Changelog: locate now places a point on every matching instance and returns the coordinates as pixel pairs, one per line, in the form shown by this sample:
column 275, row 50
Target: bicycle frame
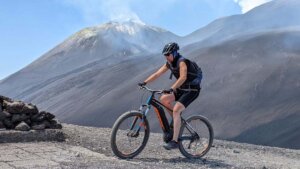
column 163, row 121
column 158, row 108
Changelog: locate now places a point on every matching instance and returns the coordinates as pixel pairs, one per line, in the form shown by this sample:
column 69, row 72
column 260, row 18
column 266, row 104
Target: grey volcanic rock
column 46, row 123
column 4, row 114
column 22, row 116
column 8, row 124
column 39, row 127
column 13, row 107
column 22, row 126
column 30, row 109
column 19, row 118
column 49, row 116
column 55, row 124
column 2, row 125
column 2, row 98
column 39, row 117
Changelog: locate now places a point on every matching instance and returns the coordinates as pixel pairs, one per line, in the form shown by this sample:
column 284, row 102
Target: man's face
column 169, row 57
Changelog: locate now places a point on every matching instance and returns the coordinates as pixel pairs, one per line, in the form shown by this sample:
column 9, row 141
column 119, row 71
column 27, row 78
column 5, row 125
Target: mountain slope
column 259, row 80
column 106, row 44
column 277, row 14
column 252, row 81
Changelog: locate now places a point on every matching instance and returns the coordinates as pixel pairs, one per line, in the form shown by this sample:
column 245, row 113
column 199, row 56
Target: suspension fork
column 141, row 109
column 144, row 115
column 144, row 112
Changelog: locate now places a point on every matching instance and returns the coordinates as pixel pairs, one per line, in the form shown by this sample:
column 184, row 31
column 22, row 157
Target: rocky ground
column 88, row 147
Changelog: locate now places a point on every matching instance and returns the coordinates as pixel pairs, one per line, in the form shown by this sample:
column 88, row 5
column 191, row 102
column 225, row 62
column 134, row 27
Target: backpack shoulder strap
column 180, row 60
column 177, row 65
column 168, row 65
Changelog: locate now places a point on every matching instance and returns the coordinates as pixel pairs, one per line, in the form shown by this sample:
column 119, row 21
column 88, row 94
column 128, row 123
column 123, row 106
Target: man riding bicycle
column 184, row 91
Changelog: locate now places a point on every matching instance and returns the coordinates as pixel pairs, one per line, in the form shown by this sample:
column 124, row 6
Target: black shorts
column 186, row 96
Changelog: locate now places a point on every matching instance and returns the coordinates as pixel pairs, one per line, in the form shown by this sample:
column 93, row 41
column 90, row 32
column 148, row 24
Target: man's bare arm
column 157, row 74
column 182, row 76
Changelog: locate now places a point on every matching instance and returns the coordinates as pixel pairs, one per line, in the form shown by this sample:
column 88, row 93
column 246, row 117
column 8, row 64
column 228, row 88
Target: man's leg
column 178, row 108
column 167, row 100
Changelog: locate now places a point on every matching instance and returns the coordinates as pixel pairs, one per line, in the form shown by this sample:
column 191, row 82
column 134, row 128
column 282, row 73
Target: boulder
column 13, row 107
column 2, row 125
column 34, row 118
column 22, row 126
column 56, row 126
column 3, row 115
column 8, row 124
column 2, row 98
column 19, row 117
column 30, row 109
column 46, row 123
column 49, row 116
column 39, row 117
column 6, row 114
column 54, row 121
column 39, row 127
column 28, row 121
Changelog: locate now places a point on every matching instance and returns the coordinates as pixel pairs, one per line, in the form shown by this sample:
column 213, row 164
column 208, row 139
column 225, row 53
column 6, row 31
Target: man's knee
column 165, row 99
column 178, row 108
column 176, row 112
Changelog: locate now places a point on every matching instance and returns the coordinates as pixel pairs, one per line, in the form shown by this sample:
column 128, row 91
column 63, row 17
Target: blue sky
column 30, row 28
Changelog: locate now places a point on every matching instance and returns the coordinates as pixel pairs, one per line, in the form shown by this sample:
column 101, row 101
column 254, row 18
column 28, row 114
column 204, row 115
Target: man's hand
column 142, row 84
column 169, row 91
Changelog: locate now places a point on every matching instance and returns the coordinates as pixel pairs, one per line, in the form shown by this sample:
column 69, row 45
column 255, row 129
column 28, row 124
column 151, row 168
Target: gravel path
column 89, row 147
column 41, row 155
column 223, row 154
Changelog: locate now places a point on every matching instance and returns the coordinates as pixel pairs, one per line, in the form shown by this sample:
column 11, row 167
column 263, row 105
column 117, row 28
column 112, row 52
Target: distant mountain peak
column 128, row 21
column 129, row 26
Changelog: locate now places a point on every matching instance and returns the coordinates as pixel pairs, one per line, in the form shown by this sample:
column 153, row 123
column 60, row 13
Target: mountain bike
column 131, row 131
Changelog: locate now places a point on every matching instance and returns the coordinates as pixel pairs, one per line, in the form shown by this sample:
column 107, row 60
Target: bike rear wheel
column 195, row 137
column 130, row 134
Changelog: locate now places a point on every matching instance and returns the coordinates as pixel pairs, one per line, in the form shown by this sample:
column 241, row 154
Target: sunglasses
column 168, row 54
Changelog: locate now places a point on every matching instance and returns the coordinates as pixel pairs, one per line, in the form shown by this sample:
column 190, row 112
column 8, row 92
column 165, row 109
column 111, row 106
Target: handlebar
column 150, row 90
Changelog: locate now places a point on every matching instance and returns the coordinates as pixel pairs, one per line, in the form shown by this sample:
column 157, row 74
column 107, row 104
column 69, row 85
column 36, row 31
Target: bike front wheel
column 196, row 137
column 130, row 134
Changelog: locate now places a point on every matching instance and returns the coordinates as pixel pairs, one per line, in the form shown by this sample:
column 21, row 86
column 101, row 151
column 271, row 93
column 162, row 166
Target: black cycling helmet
column 170, row 48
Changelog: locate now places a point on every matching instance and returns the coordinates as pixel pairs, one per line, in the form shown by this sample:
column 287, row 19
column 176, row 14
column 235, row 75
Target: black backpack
column 193, row 70
column 198, row 73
